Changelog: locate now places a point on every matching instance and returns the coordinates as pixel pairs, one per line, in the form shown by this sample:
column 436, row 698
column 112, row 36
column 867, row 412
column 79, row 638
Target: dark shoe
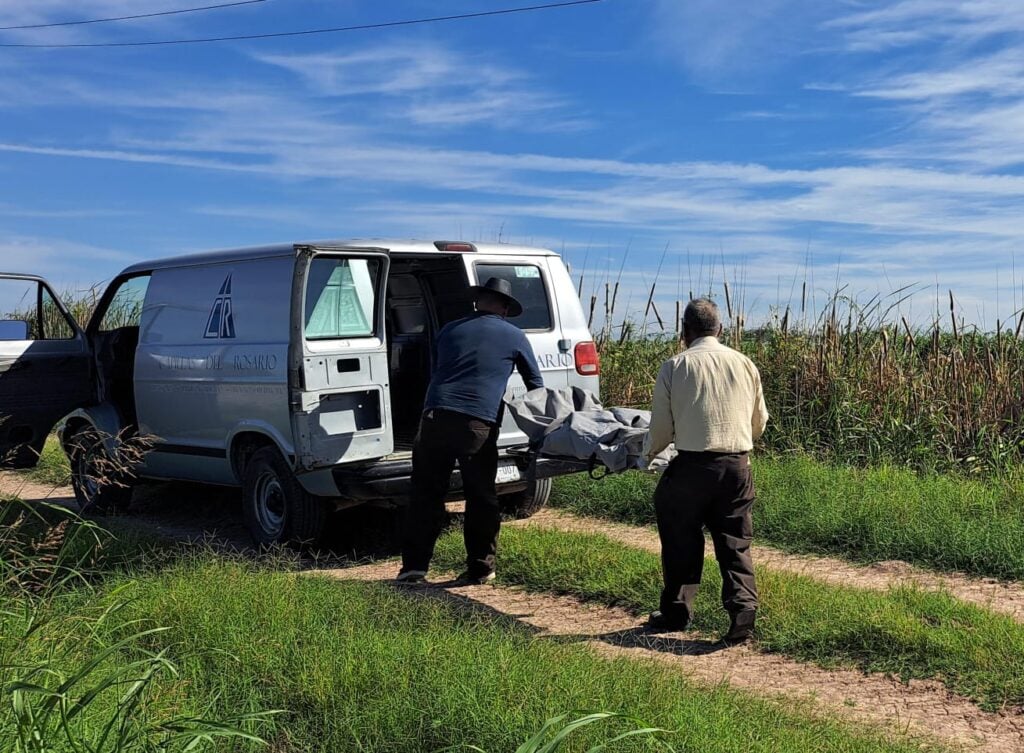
column 741, row 628
column 411, row 576
column 660, row 621
column 467, row 579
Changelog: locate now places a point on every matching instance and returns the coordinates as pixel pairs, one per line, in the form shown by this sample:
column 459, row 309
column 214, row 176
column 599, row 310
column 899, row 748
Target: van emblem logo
column 221, row 324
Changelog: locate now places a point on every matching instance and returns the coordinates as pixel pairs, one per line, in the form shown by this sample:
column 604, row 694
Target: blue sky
column 767, row 141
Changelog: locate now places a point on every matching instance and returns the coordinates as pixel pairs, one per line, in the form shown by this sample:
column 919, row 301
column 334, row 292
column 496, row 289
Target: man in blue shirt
column 474, row 357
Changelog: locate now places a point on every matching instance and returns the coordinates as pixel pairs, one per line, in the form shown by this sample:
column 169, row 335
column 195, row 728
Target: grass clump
column 53, row 468
column 93, row 692
column 905, row 632
column 938, row 521
column 75, row 676
column 370, row 668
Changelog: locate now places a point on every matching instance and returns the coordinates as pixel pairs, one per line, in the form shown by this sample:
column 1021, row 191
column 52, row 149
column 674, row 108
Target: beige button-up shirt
column 707, row 398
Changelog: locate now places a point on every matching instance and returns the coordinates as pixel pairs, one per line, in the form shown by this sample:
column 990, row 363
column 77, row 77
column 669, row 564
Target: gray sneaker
column 411, row 576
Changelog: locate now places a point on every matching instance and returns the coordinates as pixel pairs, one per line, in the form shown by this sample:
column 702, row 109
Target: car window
column 341, row 297
column 54, row 323
column 125, row 308
column 28, row 311
column 528, row 288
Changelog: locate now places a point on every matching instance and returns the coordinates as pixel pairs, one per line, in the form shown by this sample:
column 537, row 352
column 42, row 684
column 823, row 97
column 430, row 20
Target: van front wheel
column 101, row 485
column 522, row 505
column 277, row 509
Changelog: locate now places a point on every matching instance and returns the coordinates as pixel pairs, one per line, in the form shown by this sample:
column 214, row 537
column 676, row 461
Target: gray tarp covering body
column 570, row 422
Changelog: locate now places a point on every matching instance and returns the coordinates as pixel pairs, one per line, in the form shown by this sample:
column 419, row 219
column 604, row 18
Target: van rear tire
column 522, row 505
column 277, row 509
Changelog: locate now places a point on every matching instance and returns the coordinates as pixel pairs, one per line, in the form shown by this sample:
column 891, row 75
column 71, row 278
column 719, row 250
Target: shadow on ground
column 212, row 515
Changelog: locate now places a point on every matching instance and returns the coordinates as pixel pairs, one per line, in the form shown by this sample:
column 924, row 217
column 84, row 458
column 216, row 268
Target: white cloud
column 911, row 22
column 721, row 43
column 1000, row 75
column 67, row 264
column 431, row 85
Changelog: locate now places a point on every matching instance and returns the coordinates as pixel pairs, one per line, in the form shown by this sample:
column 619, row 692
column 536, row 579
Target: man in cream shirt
column 708, row 400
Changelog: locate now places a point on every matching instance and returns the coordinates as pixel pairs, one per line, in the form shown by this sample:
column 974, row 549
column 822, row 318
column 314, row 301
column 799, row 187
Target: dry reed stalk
column 661, row 323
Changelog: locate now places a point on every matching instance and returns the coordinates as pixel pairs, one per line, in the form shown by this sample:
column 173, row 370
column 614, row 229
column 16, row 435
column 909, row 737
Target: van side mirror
column 14, row 329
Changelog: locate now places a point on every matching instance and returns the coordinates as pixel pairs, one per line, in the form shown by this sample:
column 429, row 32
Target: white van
column 295, row 371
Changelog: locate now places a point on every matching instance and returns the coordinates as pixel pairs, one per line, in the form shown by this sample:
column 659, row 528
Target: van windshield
column 341, row 297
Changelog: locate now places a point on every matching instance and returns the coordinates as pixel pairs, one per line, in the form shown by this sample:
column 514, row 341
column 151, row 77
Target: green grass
column 941, row 522
column 367, row 668
column 905, row 632
column 53, row 468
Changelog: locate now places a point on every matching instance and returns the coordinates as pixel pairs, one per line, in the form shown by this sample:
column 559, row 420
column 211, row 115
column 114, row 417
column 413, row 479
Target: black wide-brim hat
column 500, row 287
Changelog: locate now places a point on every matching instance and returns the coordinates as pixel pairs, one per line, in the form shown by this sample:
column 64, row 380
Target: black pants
column 444, row 438
column 701, row 489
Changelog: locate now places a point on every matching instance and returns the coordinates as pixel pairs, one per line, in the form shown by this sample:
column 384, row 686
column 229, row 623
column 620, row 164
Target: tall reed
column 864, row 390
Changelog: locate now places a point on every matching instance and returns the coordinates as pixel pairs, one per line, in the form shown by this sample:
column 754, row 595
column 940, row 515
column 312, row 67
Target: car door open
column 45, row 370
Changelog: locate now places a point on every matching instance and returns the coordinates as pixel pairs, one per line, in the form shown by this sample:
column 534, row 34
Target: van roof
column 287, row 249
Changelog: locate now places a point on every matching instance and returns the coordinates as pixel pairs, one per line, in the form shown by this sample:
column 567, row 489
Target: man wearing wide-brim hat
column 474, row 357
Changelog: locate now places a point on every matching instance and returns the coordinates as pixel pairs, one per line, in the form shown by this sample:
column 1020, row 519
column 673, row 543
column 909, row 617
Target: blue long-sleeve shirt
column 473, row 360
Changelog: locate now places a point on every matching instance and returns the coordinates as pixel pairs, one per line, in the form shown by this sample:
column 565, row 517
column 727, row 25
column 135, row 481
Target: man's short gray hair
column 701, row 316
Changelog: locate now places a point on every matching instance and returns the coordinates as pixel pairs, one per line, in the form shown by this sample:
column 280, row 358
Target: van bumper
column 392, row 480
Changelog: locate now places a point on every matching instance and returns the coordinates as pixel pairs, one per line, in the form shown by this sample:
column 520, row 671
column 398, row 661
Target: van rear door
column 341, row 406
column 45, row 367
column 531, row 286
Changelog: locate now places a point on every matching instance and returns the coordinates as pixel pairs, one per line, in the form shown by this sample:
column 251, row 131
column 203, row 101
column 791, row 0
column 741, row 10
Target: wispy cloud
column 999, row 75
column 432, row 85
column 724, row 44
column 71, row 264
column 911, row 22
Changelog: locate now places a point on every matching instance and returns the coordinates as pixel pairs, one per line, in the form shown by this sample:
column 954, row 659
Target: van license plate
column 507, row 473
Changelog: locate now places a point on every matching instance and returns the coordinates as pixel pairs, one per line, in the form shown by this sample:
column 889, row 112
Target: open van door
column 45, row 367
column 341, row 404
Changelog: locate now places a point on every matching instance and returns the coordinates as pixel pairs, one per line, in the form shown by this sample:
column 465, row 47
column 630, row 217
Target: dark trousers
column 715, row 490
column 446, row 437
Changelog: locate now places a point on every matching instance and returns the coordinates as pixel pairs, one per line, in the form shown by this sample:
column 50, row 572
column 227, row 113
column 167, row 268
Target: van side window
column 341, row 297
column 28, row 311
column 125, row 308
column 528, row 287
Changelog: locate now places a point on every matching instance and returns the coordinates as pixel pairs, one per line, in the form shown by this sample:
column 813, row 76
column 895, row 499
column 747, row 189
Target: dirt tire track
column 925, row 709
column 14, row 485
column 989, row 593
column 995, row 595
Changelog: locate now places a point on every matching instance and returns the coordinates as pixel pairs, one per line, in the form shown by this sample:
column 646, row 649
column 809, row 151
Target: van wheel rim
column 270, row 503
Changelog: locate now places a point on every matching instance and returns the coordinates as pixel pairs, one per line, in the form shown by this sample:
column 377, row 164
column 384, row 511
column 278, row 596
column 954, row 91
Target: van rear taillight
column 588, row 363
column 455, row 247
